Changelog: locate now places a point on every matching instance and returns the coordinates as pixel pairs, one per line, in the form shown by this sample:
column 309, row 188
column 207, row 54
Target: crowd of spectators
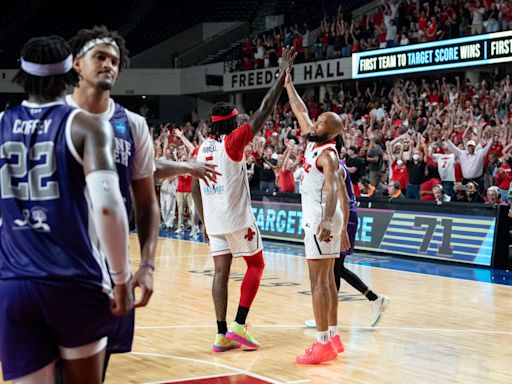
column 440, row 141
column 392, row 23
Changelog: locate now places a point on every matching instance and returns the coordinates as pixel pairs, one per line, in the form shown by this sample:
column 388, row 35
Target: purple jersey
column 124, row 152
column 352, row 219
column 45, row 230
column 350, row 188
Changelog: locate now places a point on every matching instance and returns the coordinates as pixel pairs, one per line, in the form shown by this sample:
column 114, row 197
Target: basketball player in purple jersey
column 60, row 200
column 99, row 55
column 348, row 204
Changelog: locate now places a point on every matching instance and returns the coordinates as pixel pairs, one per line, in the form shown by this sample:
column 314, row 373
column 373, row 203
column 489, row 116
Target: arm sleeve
column 110, row 220
column 143, row 161
column 236, row 141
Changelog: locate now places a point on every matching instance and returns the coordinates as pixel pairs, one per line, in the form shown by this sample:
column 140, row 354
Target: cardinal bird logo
column 250, row 234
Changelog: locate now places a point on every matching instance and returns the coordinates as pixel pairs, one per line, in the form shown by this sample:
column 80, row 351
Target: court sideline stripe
column 238, row 370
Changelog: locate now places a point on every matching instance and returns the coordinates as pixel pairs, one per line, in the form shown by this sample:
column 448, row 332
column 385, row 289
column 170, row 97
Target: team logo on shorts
column 250, row 235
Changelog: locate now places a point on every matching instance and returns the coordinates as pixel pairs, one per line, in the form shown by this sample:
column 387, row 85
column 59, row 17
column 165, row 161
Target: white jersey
column 227, row 204
column 312, row 191
column 445, row 165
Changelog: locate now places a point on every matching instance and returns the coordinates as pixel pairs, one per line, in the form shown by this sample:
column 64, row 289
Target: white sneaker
column 379, row 306
column 310, row 323
column 195, row 231
column 179, row 231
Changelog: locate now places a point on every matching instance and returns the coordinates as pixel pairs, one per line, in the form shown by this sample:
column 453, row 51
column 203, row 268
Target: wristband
column 147, row 264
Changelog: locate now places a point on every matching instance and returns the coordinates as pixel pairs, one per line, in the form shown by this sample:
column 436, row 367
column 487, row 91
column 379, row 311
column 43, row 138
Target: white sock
column 322, row 337
column 333, row 330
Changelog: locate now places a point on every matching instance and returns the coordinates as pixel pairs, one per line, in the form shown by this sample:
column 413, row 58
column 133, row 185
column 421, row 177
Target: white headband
column 94, row 42
column 44, row 70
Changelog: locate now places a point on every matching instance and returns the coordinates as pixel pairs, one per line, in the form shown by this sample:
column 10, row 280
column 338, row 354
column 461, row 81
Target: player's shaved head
column 333, row 122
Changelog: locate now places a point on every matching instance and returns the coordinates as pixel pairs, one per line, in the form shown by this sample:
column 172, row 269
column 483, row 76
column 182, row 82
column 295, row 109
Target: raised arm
column 287, row 152
column 179, row 134
column 269, row 101
column 298, row 107
column 453, row 148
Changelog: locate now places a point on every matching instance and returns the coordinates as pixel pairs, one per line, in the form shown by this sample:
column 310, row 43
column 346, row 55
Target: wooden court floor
column 436, row 329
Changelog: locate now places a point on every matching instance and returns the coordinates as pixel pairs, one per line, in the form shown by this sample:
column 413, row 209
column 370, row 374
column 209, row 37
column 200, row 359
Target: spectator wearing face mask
column 416, row 168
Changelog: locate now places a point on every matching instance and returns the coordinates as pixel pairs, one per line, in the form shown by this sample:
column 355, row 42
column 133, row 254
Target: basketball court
column 444, row 324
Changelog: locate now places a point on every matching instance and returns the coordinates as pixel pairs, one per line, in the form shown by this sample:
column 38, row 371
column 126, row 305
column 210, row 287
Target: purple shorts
column 351, row 229
column 120, row 339
column 37, row 317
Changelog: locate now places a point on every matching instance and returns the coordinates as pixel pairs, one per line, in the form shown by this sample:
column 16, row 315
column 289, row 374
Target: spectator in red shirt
column 400, row 173
column 432, row 29
column 378, row 17
column 423, row 22
column 286, row 181
column 432, row 179
column 183, row 195
column 503, row 178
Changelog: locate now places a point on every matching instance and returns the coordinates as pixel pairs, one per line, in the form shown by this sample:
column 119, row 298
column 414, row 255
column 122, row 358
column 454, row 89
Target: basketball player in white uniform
column 322, row 223
column 225, row 210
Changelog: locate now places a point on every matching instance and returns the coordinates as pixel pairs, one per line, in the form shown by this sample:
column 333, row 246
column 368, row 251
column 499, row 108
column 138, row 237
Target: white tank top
column 227, row 204
column 312, row 191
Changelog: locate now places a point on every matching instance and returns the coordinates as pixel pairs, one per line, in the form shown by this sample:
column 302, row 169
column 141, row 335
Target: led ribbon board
column 445, row 236
column 468, row 51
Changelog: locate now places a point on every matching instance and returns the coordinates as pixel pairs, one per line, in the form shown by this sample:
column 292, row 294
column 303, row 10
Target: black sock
column 241, row 315
column 371, row 296
column 222, row 327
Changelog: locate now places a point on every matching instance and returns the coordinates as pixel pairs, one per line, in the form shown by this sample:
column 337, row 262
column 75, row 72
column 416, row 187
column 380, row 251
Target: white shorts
column 316, row 249
column 246, row 242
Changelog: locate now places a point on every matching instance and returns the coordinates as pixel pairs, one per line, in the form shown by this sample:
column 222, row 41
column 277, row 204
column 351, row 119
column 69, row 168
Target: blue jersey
column 350, row 188
column 45, row 231
column 124, row 151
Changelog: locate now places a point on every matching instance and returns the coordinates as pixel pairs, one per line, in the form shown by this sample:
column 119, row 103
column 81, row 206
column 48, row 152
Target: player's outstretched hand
column 287, row 59
column 143, row 279
column 123, row 299
column 203, row 171
column 324, row 231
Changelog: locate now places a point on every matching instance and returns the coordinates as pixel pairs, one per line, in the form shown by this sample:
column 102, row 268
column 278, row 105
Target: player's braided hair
column 83, row 36
column 45, row 50
column 225, row 127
